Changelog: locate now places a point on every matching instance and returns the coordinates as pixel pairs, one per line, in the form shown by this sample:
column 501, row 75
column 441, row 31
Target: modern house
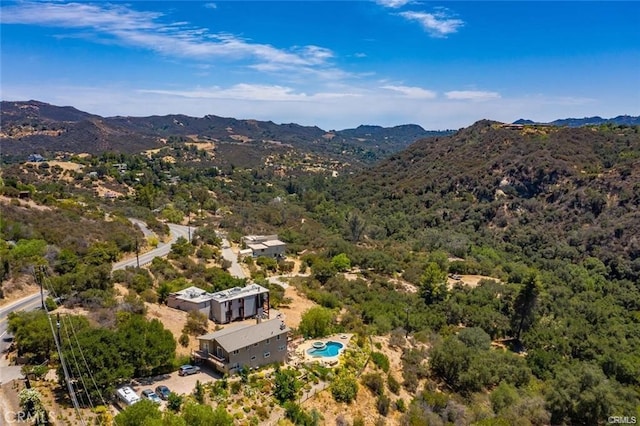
column 252, row 346
column 191, row 299
column 265, row 245
column 225, row 306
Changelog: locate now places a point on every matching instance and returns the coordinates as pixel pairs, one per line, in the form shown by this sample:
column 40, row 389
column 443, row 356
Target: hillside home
column 265, row 245
column 238, row 303
column 35, row 158
column 191, row 299
column 253, row 346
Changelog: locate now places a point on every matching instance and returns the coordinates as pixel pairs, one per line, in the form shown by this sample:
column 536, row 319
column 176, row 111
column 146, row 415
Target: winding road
column 33, row 301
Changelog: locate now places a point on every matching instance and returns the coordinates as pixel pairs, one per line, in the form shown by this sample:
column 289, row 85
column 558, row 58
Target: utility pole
column 38, row 272
column 58, row 326
column 406, row 335
column 137, row 253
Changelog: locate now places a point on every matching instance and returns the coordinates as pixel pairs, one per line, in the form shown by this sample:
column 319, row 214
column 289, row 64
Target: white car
column 151, row 396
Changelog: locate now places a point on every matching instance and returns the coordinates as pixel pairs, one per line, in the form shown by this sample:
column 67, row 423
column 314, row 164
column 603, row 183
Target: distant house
column 225, row 306
column 265, row 245
column 252, row 346
column 35, row 158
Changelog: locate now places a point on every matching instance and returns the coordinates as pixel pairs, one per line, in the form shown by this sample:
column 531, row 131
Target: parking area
column 175, row 383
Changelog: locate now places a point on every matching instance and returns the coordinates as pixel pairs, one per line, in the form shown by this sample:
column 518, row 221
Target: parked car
column 187, row 370
column 151, row 396
column 163, row 392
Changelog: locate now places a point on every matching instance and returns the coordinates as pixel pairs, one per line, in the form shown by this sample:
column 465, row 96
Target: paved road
column 33, row 301
column 228, row 254
column 163, row 249
column 26, row 303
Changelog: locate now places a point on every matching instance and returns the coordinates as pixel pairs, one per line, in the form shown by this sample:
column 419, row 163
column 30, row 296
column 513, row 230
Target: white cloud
column 250, row 92
column 147, row 30
column 394, row 4
column 211, row 5
column 438, row 24
column 412, row 92
column 471, row 95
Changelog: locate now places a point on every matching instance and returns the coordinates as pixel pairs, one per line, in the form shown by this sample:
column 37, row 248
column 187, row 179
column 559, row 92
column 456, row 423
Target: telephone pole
column 38, row 272
column 137, row 253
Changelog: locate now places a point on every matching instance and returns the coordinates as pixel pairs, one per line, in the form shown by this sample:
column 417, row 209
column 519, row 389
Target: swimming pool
column 331, row 348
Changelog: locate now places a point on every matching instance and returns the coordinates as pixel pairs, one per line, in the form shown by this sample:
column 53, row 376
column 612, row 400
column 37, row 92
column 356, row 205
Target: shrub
column 382, row 404
column 374, row 382
column 381, row 360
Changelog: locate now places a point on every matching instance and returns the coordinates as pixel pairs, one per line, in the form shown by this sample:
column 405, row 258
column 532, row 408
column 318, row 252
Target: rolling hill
column 536, row 191
column 35, row 126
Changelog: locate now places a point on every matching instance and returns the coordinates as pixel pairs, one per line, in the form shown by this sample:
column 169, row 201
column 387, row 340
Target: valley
column 487, row 276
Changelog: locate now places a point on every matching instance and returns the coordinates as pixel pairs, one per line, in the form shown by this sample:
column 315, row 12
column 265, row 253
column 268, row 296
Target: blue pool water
column 330, row 349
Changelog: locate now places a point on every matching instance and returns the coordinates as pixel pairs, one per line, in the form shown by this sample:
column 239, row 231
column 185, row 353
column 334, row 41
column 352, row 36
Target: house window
column 267, row 354
column 235, row 352
column 282, row 348
column 267, row 341
column 278, row 337
column 255, row 344
column 253, row 358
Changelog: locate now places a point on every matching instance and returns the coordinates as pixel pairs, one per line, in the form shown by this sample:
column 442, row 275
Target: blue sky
column 334, row 64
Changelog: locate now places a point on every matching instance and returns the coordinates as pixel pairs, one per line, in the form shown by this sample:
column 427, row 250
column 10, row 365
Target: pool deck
column 299, row 355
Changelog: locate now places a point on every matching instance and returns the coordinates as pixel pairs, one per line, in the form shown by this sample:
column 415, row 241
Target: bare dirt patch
column 30, row 204
column 299, row 304
column 66, row 165
column 470, row 280
column 17, row 288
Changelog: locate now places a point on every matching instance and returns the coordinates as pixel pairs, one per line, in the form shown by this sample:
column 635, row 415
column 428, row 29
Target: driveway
column 178, row 384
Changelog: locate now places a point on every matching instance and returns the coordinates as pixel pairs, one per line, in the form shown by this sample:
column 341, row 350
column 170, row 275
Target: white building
column 265, row 245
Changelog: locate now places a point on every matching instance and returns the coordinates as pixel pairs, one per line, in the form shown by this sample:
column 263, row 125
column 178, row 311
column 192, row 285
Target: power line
column 84, row 359
column 65, row 370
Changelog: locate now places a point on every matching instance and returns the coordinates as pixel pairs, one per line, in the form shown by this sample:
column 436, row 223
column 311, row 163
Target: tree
column 149, row 346
column 174, row 402
column 356, row 225
column 475, row 338
column 525, row 304
column 341, row 262
column 287, row 385
column 581, row 394
column 317, row 322
column 31, row 405
column 138, row 414
column 204, row 415
column 197, row 323
column 433, row 283
column 344, row 387
column 504, row 396
column 32, row 334
column 323, row 270
column 198, row 392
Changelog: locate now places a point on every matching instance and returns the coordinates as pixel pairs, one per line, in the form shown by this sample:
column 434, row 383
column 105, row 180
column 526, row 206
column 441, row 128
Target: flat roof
column 273, row 243
column 238, row 292
column 198, row 295
column 193, row 294
column 234, row 338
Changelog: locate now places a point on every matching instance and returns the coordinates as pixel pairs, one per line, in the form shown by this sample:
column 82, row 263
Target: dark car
column 187, row 370
column 163, row 392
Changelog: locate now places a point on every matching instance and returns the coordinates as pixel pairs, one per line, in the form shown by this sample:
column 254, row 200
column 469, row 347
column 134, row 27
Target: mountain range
column 39, row 127
column 628, row 120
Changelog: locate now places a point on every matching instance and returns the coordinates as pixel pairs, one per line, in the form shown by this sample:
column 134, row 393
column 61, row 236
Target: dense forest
column 549, row 215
